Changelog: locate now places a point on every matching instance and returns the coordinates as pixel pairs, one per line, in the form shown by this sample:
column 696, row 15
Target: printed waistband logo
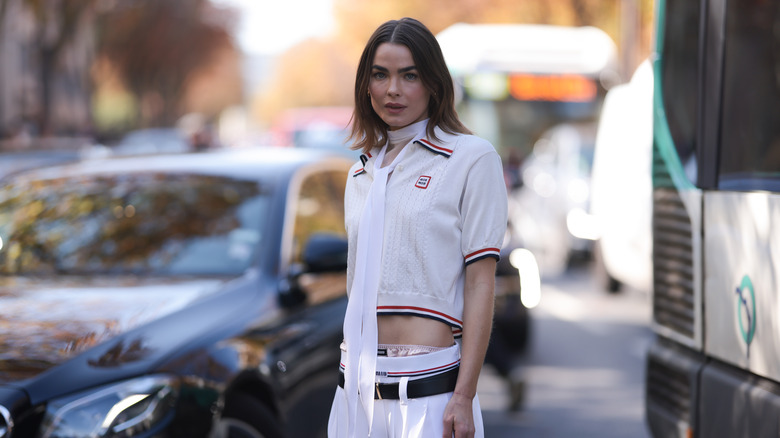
column 423, row 181
column 746, row 311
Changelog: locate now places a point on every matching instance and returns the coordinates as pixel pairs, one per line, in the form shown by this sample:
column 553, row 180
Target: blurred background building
column 86, row 71
column 94, row 70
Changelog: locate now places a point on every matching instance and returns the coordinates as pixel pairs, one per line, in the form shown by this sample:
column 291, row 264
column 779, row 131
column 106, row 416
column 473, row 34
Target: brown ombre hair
column 368, row 129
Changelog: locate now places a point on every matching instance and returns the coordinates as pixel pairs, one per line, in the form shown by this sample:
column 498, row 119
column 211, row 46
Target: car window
column 320, row 209
column 131, row 223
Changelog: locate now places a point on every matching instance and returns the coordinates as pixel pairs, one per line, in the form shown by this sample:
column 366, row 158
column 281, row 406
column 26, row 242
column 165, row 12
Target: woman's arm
column 477, row 322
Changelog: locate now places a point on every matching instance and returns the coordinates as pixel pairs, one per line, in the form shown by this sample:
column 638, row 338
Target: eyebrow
column 400, row 70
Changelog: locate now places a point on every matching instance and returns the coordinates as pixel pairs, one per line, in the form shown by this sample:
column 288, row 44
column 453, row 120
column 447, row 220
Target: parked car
column 550, row 211
column 622, row 185
column 326, row 127
column 153, row 141
column 192, row 295
column 18, row 161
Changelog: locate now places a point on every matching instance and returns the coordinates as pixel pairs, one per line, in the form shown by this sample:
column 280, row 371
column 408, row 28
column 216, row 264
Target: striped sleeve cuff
column 483, row 253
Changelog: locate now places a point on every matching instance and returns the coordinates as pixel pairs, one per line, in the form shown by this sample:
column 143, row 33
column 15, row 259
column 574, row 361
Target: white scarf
column 360, row 369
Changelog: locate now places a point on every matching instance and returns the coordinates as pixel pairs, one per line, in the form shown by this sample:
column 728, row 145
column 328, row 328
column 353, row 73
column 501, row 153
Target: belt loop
column 402, row 395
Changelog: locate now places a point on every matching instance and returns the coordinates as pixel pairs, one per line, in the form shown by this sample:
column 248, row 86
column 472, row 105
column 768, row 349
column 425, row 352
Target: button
column 399, row 167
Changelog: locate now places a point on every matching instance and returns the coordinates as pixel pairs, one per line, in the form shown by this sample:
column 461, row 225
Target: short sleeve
column 483, row 209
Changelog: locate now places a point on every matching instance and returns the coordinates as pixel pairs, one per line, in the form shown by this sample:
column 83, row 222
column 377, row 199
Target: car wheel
column 246, row 417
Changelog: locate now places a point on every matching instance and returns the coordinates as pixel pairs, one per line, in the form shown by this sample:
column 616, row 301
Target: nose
column 394, row 89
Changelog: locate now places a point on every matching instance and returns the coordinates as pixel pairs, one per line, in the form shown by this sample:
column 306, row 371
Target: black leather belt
column 425, row 387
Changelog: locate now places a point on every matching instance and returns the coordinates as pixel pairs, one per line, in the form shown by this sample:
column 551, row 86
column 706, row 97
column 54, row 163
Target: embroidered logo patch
column 422, row 182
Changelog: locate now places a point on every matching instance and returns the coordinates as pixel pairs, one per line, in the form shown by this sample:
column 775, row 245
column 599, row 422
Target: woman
column 426, row 215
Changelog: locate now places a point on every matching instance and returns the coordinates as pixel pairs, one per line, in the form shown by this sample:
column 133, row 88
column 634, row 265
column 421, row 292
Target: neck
column 399, row 138
column 402, row 136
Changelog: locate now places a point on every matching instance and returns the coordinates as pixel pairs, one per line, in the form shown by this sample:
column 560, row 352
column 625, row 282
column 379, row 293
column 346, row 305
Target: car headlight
column 123, row 409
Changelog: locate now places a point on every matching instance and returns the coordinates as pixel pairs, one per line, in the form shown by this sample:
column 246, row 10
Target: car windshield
column 151, row 223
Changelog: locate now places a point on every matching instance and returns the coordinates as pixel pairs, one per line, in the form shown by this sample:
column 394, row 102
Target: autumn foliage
column 321, row 72
column 160, row 48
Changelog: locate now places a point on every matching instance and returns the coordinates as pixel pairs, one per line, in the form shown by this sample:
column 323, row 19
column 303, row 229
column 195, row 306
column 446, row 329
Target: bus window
column 712, row 370
column 679, row 76
column 750, row 128
column 515, row 81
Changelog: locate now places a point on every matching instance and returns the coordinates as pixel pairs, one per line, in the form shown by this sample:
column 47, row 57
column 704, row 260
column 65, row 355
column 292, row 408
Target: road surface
column 584, row 371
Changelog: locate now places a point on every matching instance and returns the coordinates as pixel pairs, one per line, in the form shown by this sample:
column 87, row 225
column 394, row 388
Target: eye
column 378, row 75
column 410, row 76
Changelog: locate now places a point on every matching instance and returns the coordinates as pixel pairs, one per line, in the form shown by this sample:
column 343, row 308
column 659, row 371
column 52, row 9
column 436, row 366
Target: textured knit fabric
column 446, row 206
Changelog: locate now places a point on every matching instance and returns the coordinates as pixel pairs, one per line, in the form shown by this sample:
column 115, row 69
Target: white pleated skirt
column 403, row 418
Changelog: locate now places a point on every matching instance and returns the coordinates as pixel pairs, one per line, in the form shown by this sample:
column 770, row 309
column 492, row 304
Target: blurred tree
column 314, row 73
column 156, row 47
column 57, row 23
column 356, row 20
column 3, row 9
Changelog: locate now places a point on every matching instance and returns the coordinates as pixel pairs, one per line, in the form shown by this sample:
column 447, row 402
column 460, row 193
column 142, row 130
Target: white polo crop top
column 446, row 207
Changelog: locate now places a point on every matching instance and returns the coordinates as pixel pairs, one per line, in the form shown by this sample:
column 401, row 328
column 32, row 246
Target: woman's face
column 398, row 96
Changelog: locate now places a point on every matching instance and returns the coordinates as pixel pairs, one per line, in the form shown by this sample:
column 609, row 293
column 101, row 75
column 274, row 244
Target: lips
column 395, row 107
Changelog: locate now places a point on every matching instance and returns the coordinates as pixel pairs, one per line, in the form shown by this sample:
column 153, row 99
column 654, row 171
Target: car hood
column 44, row 323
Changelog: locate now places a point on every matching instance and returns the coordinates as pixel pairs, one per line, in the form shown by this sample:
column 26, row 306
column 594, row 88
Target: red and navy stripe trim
column 434, row 148
column 457, row 332
column 416, row 373
column 425, row 372
column 363, row 159
column 454, row 323
column 483, row 253
column 422, row 312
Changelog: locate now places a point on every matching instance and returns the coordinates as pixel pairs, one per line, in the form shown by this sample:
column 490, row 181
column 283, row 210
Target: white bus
column 714, row 367
column 518, row 80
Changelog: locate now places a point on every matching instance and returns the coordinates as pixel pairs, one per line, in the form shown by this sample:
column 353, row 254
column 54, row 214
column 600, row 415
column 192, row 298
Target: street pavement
column 584, row 372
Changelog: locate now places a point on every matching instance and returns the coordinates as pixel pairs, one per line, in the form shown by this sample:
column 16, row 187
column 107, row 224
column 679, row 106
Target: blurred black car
column 190, row 295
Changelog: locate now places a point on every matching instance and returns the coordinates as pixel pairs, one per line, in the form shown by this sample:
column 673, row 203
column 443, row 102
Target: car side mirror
column 325, row 253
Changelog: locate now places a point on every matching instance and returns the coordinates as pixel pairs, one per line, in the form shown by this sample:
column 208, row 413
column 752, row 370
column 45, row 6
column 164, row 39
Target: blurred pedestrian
column 426, row 215
column 512, row 164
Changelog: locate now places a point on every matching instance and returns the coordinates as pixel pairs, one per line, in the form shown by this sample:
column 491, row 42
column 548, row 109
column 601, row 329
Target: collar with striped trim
column 444, row 152
column 363, row 159
column 424, row 142
column 444, row 146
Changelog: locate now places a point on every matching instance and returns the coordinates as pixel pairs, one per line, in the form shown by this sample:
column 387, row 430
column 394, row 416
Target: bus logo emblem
column 746, row 311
